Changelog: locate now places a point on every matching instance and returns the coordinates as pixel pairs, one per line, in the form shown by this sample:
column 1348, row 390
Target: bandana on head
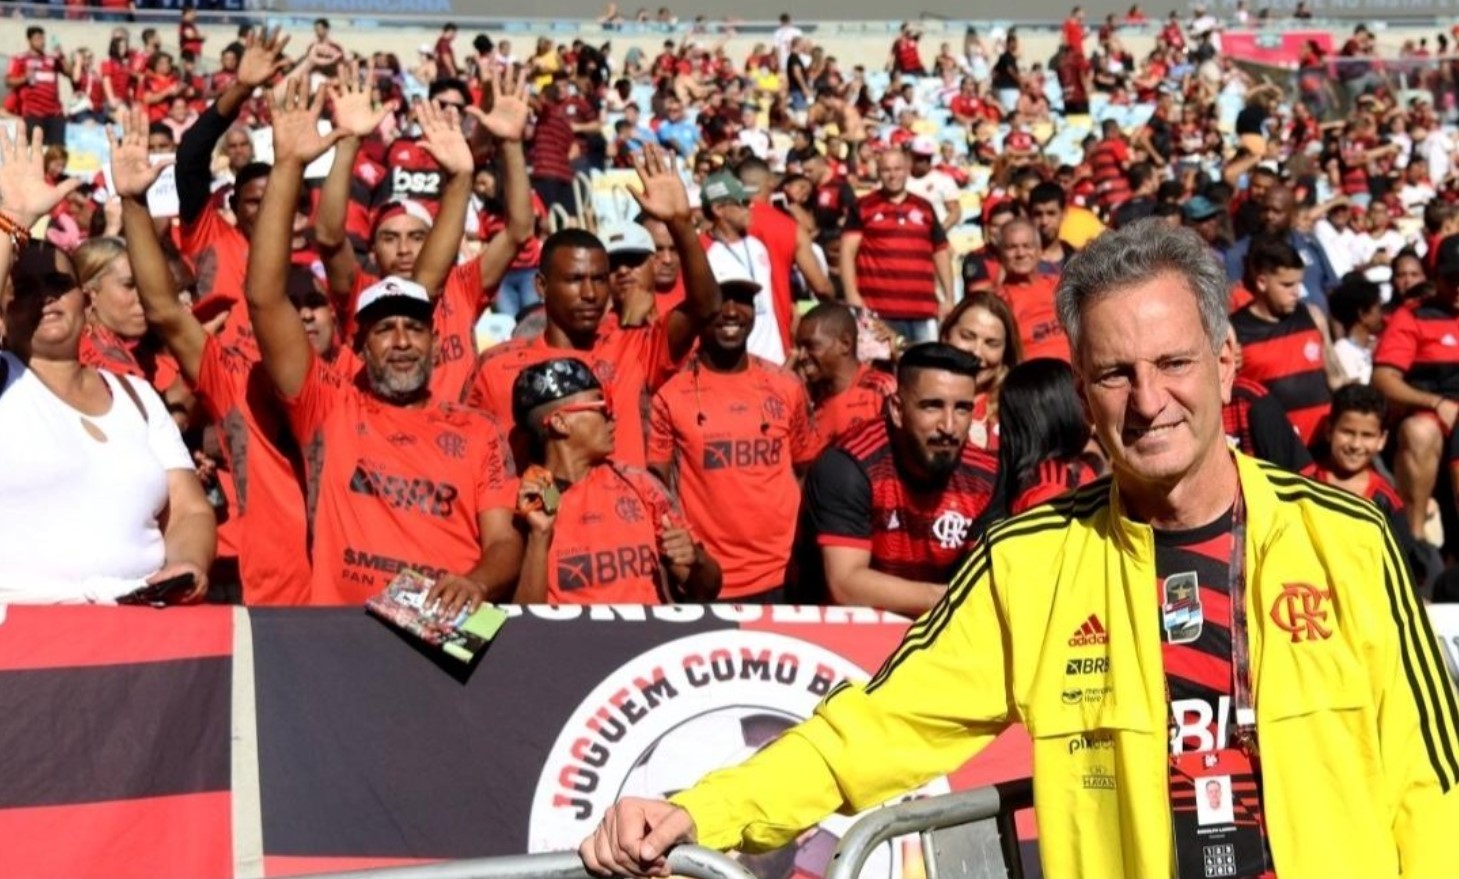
column 548, row 382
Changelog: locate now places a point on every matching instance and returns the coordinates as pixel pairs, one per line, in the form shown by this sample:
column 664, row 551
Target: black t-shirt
column 1132, row 210
column 1005, row 72
column 1252, row 120
column 793, row 64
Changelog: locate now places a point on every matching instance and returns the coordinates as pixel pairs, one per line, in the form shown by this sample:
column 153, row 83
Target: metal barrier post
column 686, row 860
column 928, row 815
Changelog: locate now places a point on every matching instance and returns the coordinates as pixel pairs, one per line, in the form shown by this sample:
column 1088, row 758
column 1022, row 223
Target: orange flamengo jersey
column 391, row 487
column 733, row 440
column 1039, row 329
column 863, row 400
column 605, row 545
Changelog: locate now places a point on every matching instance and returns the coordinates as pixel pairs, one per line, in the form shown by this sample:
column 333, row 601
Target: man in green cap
column 727, row 208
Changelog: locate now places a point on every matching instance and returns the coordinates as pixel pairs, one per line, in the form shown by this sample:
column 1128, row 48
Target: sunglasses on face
column 627, row 260
column 603, row 407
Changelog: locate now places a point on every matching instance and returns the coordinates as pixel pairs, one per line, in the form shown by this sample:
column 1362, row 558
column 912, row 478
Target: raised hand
column 507, row 119
column 262, row 58
column 132, row 171
column 354, row 106
column 296, row 124
column 441, row 137
column 24, row 192
column 664, row 197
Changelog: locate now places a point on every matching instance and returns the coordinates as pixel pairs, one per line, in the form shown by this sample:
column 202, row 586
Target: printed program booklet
column 461, row 636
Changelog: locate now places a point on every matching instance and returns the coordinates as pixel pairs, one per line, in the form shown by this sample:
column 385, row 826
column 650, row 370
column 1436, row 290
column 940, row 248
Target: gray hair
column 1129, row 256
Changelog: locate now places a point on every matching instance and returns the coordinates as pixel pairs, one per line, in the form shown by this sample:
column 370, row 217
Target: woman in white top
column 97, row 492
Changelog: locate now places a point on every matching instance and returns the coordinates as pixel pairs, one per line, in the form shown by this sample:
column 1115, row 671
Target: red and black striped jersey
column 1286, row 357
column 894, row 271
column 1378, row 490
column 1423, row 344
column 1053, row 478
column 1257, row 425
column 1192, row 570
column 857, row 496
column 1107, row 160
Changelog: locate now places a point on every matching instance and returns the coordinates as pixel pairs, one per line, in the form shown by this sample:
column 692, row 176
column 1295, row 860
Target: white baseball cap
column 392, row 296
column 922, row 145
column 729, row 271
column 626, row 238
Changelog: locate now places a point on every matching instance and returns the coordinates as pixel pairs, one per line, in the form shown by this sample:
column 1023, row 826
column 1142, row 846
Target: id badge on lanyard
column 1215, row 796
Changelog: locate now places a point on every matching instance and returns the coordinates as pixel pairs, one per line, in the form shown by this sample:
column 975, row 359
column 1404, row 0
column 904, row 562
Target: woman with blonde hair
column 983, row 325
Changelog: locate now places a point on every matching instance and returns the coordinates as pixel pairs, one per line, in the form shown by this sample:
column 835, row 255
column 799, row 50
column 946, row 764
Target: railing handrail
column 916, row 816
column 692, row 861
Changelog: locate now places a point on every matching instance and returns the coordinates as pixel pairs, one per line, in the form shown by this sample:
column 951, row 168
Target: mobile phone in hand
column 162, row 593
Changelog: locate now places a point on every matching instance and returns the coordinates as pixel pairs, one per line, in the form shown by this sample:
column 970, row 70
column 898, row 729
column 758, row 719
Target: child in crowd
column 1355, row 437
column 1358, row 308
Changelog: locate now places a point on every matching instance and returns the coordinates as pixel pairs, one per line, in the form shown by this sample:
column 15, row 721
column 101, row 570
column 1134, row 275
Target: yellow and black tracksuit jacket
column 1355, row 714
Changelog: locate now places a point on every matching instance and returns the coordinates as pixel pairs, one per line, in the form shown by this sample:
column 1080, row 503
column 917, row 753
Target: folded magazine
column 461, row 636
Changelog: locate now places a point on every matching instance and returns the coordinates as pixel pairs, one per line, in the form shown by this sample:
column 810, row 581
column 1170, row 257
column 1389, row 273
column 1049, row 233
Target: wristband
column 10, row 226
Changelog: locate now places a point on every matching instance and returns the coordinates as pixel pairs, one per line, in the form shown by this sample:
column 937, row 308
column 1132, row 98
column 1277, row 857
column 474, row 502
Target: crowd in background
column 817, row 357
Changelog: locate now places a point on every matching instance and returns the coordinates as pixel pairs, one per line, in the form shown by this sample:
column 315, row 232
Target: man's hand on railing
column 635, row 837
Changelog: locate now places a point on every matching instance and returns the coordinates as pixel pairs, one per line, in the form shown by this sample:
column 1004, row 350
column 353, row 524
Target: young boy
column 1355, row 436
column 1357, row 307
column 1285, row 345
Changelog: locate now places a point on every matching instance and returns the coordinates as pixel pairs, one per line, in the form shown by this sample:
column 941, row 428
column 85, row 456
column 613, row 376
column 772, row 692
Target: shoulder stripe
column 1428, row 680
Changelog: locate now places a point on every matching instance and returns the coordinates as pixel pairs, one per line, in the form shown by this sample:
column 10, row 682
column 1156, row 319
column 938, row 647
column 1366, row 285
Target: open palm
column 664, row 197
column 262, row 58
column 507, row 118
column 354, row 105
column 24, row 192
column 296, row 125
column 132, row 171
column 440, row 129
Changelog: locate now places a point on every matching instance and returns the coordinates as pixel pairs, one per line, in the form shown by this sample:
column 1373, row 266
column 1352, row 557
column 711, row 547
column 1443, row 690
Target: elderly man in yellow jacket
column 1215, row 658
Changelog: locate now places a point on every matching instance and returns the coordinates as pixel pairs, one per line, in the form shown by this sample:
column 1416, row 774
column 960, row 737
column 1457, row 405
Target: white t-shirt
column 1342, row 247
column 783, row 37
column 78, row 517
column 1356, row 361
column 936, row 187
column 750, row 255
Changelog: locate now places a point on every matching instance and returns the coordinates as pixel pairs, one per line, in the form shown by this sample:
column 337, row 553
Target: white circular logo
column 1312, row 351
column 951, row 529
column 673, row 714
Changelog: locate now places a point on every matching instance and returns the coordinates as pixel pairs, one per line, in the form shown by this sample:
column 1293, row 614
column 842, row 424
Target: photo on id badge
column 1213, row 801
column 1180, row 608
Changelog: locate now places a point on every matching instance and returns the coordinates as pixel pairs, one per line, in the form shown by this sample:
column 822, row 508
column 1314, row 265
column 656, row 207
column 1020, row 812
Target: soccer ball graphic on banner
column 725, row 737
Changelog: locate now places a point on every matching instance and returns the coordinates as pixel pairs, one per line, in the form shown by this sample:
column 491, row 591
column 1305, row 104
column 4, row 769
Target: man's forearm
column 701, row 581
column 498, row 568
column 701, row 290
column 532, row 582
column 869, row 588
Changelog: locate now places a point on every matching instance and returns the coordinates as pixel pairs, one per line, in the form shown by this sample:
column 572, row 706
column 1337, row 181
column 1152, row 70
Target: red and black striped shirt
column 894, row 271
column 1053, row 478
column 552, row 141
column 1423, row 344
column 1285, row 356
column 1107, row 163
column 1258, row 426
column 1192, row 572
column 857, row 496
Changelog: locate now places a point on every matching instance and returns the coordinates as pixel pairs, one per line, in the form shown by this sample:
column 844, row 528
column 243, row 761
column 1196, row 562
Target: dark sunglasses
column 627, row 260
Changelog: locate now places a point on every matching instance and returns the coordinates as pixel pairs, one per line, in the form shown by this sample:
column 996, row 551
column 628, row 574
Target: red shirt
column 529, row 254
column 551, row 144
column 1422, row 343
column 119, row 74
column 605, row 544
column 779, row 233
column 1039, row 329
column 267, row 497
column 863, row 400
column 41, row 95
column 894, row 271
column 734, row 441
column 393, row 487
column 219, row 256
column 630, row 363
column 153, row 85
column 1286, row 357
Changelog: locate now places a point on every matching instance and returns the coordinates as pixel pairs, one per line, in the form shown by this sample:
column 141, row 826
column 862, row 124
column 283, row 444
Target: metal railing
column 686, row 860
column 972, row 830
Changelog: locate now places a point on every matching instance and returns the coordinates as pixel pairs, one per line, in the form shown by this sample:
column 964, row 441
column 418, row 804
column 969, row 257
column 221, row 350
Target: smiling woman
column 98, row 495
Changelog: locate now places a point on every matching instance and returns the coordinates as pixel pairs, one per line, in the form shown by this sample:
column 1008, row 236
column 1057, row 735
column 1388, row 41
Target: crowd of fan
column 777, row 382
